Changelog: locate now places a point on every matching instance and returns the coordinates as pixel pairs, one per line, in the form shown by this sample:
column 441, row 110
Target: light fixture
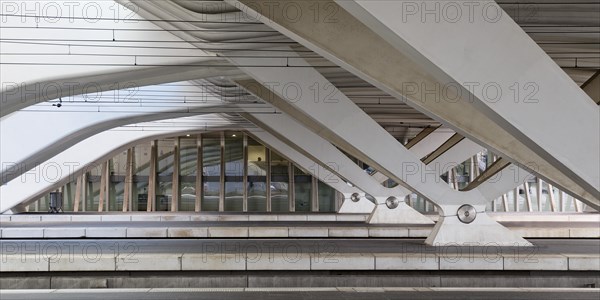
column 187, row 135
column 233, row 135
column 59, row 104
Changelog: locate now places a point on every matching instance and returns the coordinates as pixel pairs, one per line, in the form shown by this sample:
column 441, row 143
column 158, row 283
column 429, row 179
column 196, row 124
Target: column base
column 363, row 206
column 403, row 214
column 483, row 231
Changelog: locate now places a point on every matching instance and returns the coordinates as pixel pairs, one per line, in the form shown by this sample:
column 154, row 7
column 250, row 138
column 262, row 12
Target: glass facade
column 188, row 166
column 234, row 171
column 141, row 174
column 326, row 197
column 302, row 190
column 211, row 172
column 257, row 176
column 118, row 167
column 279, row 188
column 241, row 174
column 164, row 186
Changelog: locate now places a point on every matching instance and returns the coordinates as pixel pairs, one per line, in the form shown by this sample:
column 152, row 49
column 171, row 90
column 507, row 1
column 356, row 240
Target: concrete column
column 128, row 184
column 152, row 176
column 78, row 188
column 199, row 174
column 222, row 174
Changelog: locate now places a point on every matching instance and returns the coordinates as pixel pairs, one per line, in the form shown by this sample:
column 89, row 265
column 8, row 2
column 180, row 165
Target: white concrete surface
column 105, row 232
column 403, row 214
column 213, row 261
column 345, row 261
column 67, row 232
column 385, row 232
column 182, row 232
column 535, row 261
column 255, row 232
column 348, row 232
column 468, row 261
column 293, row 260
column 148, row 262
column 300, row 232
column 30, row 233
column 146, row 232
column 228, row 232
column 24, row 263
column 92, row 261
column 406, row 261
column 483, row 230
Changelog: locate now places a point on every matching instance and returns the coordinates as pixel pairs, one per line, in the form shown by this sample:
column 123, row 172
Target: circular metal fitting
column 392, row 202
column 466, row 213
column 355, row 197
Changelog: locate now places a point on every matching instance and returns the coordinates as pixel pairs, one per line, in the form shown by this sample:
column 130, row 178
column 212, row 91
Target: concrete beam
column 325, row 175
column 391, row 69
column 525, row 84
column 336, row 162
column 592, row 87
column 344, row 124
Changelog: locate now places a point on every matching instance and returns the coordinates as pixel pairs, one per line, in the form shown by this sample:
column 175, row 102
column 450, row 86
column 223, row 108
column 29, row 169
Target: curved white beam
column 86, row 155
column 46, row 58
column 54, row 132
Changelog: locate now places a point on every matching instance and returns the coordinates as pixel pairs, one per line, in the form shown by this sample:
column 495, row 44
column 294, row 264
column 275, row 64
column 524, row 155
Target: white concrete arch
column 87, row 154
column 114, row 48
column 53, row 132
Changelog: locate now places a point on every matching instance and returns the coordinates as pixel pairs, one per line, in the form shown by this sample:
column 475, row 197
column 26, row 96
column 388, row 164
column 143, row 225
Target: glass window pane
column 69, row 195
column 141, row 163
column 326, row 198
column 234, row 171
column 211, row 170
column 302, row 189
column 279, row 183
column 118, row 169
column 187, row 173
column 93, row 188
column 164, row 188
column 257, row 176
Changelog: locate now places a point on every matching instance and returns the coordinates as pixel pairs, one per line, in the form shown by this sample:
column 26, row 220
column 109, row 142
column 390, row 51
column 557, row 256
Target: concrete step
column 51, row 230
column 293, row 260
column 180, row 217
column 255, row 217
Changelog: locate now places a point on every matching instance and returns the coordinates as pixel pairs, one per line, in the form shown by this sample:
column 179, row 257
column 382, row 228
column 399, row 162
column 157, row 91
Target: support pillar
column 356, row 203
column 394, row 211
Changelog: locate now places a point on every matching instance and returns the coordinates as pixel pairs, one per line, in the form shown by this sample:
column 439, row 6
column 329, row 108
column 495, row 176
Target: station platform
column 292, row 255
column 244, row 225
